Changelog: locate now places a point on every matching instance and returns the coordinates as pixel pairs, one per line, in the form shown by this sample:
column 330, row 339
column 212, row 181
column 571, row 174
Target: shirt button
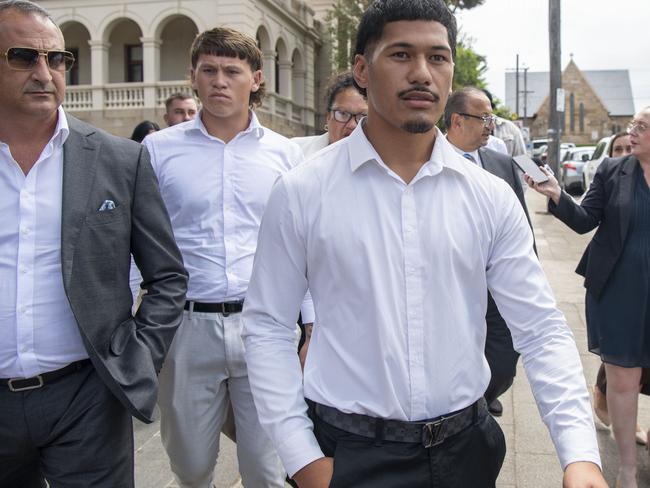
column 23, row 269
column 25, row 231
column 24, row 348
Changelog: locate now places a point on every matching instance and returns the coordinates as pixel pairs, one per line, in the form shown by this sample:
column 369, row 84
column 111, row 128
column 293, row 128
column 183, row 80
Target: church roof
column 612, row 86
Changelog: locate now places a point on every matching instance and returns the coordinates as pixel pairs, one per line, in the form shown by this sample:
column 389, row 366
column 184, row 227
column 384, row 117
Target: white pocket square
column 107, row 205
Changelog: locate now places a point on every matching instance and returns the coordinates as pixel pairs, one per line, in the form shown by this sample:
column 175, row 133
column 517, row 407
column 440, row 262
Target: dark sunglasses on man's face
column 25, row 58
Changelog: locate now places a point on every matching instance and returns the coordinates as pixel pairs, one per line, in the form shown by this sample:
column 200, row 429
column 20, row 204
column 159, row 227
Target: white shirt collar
column 62, row 130
column 254, row 126
column 442, row 157
column 473, row 153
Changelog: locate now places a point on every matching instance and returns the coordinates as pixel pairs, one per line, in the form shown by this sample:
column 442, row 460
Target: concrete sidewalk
column 531, row 460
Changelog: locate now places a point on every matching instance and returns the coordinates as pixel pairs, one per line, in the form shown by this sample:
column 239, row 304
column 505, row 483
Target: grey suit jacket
column 504, row 167
column 127, row 352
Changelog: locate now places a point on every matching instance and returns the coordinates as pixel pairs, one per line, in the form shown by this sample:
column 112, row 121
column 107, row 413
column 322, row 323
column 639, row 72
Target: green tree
column 470, row 67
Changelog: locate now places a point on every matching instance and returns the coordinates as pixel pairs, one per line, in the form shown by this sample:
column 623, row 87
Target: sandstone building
column 132, row 54
column 597, row 103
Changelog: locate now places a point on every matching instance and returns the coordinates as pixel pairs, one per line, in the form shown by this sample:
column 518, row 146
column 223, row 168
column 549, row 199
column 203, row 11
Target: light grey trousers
column 204, row 371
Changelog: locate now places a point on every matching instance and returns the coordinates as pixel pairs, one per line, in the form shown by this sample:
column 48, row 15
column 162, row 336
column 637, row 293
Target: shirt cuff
column 298, row 450
column 307, row 312
column 578, row 445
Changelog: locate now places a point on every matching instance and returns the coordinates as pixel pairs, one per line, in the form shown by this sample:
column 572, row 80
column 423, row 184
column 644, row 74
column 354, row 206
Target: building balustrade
column 115, row 96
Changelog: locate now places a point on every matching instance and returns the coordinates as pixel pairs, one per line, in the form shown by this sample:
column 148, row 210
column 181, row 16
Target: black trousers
column 499, row 352
column 72, row 432
column 471, row 458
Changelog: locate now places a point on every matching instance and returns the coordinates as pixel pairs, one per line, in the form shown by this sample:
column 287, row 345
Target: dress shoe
column 495, row 408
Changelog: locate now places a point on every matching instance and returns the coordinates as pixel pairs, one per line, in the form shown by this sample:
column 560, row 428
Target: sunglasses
column 25, row 58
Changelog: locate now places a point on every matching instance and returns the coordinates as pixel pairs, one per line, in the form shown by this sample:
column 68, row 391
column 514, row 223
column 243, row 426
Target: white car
column 601, row 152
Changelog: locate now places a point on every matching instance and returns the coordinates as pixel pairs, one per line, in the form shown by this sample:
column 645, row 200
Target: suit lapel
column 79, row 156
column 625, row 197
column 486, row 161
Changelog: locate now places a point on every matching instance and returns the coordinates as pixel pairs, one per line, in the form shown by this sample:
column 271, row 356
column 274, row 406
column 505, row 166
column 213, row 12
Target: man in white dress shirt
column 179, row 107
column 398, row 238
column 76, row 202
column 215, row 174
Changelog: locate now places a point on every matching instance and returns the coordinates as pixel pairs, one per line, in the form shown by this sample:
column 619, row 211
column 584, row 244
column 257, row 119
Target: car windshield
column 599, row 150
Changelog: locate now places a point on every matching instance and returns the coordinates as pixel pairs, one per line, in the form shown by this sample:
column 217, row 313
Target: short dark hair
column 25, row 7
column 457, row 102
column 223, row 41
column 381, row 12
column 177, row 96
column 337, row 84
column 142, row 130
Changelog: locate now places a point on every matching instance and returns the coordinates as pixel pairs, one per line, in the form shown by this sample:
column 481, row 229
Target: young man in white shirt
column 398, row 238
column 179, row 107
column 215, row 173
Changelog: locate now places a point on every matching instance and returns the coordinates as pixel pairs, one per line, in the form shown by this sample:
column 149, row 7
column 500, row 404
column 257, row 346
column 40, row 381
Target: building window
column 582, row 117
column 133, row 58
column 72, row 76
column 572, row 113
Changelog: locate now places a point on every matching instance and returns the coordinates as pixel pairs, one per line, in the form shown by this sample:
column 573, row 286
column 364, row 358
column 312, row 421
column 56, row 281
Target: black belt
column 23, row 384
column 225, row 308
column 427, row 432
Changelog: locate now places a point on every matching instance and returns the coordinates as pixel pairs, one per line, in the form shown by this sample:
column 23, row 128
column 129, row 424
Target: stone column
column 285, row 78
column 268, row 64
column 150, row 69
column 98, row 70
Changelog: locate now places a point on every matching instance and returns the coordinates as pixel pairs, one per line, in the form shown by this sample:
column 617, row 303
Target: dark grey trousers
column 72, row 432
column 470, row 459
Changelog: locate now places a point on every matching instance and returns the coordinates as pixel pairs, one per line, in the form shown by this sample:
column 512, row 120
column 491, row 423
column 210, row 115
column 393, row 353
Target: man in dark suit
column 469, row 121
column 76, row 203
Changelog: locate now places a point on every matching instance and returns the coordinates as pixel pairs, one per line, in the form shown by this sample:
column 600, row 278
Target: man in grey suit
column 75, row 203
column 469, row 121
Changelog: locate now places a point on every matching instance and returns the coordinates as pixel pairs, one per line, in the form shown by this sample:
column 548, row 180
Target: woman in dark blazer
column 616, row 267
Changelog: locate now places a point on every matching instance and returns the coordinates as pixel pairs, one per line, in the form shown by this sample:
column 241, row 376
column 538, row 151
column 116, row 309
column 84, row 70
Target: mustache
column 35, row 86
column 419, row 89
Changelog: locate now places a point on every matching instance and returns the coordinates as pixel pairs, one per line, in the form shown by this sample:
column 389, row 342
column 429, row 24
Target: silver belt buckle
column 433, row 433
column 25, row 388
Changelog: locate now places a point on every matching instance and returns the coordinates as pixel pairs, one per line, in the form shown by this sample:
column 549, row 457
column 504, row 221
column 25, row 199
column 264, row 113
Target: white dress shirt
column 39, row 331
column 476, row 158
column 497, row 145
column 215, row 193
column 398, row 274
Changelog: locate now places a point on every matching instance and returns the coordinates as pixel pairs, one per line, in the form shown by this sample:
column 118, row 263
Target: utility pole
column 554, row 132
column 517, row 86
column 526, row 92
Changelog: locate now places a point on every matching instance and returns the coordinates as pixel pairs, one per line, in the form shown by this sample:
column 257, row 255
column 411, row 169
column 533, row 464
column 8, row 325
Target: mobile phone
column 529, row 167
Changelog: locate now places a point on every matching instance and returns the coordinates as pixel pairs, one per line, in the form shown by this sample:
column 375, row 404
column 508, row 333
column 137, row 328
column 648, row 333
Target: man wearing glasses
column 469, row 121
column 75, row 365
column 345, row 109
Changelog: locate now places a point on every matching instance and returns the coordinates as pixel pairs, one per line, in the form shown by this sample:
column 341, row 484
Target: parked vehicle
column 601, row 152
column 570, row 177
column 565, row 147
column 539, row 146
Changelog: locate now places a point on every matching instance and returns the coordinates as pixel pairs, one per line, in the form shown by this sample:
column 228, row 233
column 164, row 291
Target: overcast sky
column 601, row 34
